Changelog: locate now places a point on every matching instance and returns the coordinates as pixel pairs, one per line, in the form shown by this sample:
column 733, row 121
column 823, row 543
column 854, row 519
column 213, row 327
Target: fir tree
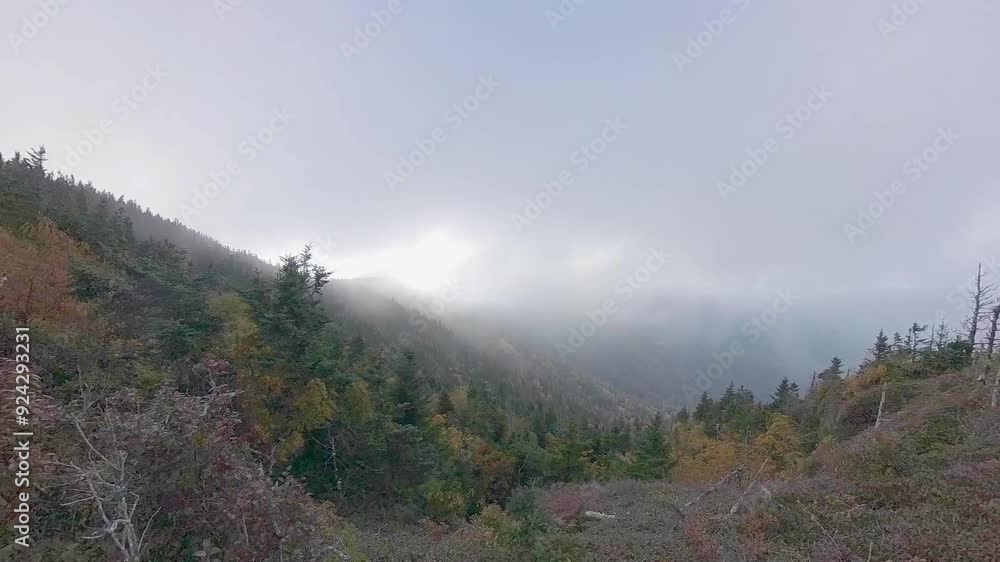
column 406, row 392
column 834, row 371
column 880, row 350
column 444, row 404
column 683, row 416
column 652, row 457
column 783, row 395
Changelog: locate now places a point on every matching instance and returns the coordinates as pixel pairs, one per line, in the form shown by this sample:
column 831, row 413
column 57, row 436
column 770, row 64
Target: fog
column 824, row 168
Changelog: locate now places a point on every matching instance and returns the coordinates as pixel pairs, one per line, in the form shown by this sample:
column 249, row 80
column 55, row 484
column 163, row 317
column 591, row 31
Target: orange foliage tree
column 38, row 283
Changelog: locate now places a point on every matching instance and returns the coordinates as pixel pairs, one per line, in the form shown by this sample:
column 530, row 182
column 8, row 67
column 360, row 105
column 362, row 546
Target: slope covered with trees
column 191, row 402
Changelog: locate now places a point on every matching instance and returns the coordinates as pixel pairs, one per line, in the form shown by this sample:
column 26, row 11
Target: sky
column 271, row 125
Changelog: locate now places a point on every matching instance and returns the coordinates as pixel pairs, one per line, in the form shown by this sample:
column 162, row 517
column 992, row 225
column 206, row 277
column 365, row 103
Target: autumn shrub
column 504, row 530
column 871, row 375
column 699, row 535
column 444, row 499
column 754, row 544
column 524, row 505
column 702, row 459
column 176, row 458
column 564, row 503
column 557, row 547
column 939, row 431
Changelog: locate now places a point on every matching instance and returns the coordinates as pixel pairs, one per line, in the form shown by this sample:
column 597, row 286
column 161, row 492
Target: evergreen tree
column 915, row 340
column 834, row 371
column 941, row 341
column 406, row 393
column 652, row 456
column 444, row 404
column 683, row 416
column 288, row 309
column 880, row 350
column 704, row 412
column 784, row 394
column 37, row 159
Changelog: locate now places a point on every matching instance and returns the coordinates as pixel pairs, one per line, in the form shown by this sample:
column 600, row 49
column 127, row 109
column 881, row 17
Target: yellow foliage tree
column 313, row 408
column 871, row 375
column 781, row 443
column 357, row 403
column 240, row 340
column 700, row 458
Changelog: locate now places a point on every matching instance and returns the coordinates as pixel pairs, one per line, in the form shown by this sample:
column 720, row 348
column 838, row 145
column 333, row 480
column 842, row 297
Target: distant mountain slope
column 389, row 316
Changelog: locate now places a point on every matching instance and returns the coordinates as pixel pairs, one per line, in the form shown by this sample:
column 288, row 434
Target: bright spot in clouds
column 425, row 266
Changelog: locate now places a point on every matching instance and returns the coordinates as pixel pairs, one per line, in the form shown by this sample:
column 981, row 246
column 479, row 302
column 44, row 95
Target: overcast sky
column 884, row 88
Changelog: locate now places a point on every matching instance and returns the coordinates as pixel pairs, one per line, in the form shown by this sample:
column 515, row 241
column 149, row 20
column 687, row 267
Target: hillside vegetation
column 194, row 403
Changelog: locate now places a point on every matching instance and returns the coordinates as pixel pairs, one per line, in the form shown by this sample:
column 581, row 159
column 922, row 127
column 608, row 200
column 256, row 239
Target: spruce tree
column 683, row 416
column 705, row 410
column 834, row 371
column 652, row 457
column 406, row 393
column 444, row 404
column 782, row 395
column 880, row 351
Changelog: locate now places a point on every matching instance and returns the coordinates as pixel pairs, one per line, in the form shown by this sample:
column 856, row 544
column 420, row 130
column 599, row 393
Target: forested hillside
column 152, row 342
column 189, row 402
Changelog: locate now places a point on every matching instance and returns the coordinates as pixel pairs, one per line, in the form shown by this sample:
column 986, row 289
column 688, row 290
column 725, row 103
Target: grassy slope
column 926, row 486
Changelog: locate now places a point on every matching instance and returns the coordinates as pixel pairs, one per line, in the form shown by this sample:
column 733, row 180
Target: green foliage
column 941, row 431
column 652, row 457
column 288, row 308
column 407, row 392
column 444, row 499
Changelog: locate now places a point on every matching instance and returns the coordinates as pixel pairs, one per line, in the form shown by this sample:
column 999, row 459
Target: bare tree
column 106, row 482
column 942, row 336
column 979, row 304
column 992, row 339
column 881, row 405
column 996, row 390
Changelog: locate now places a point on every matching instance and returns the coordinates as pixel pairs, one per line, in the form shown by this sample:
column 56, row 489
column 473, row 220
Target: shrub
column 444, row 499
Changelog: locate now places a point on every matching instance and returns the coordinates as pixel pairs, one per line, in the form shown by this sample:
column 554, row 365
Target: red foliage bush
column 698, row 531
column 566, row 503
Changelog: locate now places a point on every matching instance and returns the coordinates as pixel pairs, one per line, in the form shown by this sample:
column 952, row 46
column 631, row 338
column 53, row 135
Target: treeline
column 789, row 425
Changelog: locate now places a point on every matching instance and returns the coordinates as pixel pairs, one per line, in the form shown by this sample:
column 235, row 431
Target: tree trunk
column 977, row 307
column 996, row 390
column 992, row 340
column 881, row 405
